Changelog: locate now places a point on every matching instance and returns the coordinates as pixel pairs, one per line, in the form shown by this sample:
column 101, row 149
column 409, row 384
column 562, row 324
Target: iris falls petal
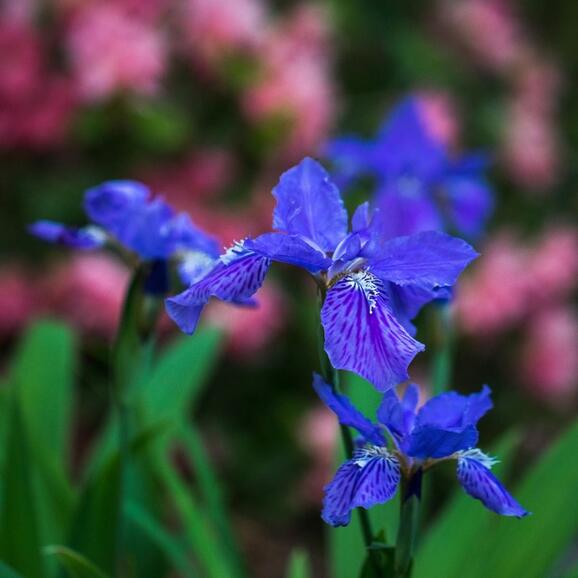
column 362, row 334
column 480, row 483
column 370, row 478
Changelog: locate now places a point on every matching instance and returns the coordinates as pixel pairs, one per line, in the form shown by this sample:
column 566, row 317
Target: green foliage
column 299, row 565
column 76, row 565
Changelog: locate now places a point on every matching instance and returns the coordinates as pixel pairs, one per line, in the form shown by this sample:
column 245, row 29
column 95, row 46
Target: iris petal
column 480, row 483
column 310, row 205
column 346, row 412
column 370, row 478
column 235, row 279
column 77, row 238
column 427, row 260
column 290, row 249
column 362, row 334
column 431, row 442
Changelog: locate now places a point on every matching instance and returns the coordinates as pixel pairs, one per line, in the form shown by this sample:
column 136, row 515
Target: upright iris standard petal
column 470, row 204
column 351, row 156
column 77, row 238
column 370, row 478
column 480, row 483
column 113, row 202
column 290, row 249
column 235, row 279
column 404, row 146
column 310, row 205
column 432, row 442
column 406, row 207
column 427, row 260
column 452, row 410
column 346, row 412
column 362, row 334
column 399, row 415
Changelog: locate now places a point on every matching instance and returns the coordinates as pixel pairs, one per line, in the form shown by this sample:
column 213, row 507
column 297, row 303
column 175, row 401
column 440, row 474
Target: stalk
column 408, row 524
column 444, row 337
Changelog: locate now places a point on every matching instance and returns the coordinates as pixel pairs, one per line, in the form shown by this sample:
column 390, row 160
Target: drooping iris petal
column 235, row 279
column 430, row 442
column 405, row 146
column 362, row 334
column 430, row 259
column 370, row 478
column 452, row 410
column 290, row 249
column 112, row 202
column 470, row 202
column 480, row 483
column 346, row 412
column 310, row 205
column 399, row 415
column 77, row 238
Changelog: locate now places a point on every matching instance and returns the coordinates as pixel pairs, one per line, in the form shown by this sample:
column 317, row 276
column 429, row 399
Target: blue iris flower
column 419, row 186
column 444, row 428
column 125, row 214
column 373, row 286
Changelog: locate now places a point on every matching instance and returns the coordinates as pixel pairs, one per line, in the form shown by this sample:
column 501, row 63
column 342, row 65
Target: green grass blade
column 299, row 565
column 76, row 565
column 7, row 572
column 172, row 548
column 211, row 494
column 20, row 541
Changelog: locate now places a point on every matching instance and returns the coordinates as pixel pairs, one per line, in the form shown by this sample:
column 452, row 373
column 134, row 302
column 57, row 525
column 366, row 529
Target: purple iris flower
column 372, row 286
column 419, row 186
column 125, row 213
column 444, row 428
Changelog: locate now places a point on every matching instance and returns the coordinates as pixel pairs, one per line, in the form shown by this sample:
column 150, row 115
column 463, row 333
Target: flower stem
column 137, row 323
column 408, row 524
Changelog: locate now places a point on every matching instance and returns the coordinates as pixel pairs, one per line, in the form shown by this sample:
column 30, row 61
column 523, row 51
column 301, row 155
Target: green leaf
column 299, row 564
column 179, row 376
column 42, row 375
column 172, row 548
column 95, row 525
column 531, row 546
column 76, row 565
column 7, row 572
column 211, row 493
column 20, row 542
column 460, row 525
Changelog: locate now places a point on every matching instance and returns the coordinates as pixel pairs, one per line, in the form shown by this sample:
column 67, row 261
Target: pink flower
column 494, row 296
column 112, row 50
column 439, row 113
column 295, row 87
column 553, row 266
column 249, row 330
column 318, row 433
column 488, row 28
column 549, row 357
column 88, row 291
column 17, row 300
column 215, row 29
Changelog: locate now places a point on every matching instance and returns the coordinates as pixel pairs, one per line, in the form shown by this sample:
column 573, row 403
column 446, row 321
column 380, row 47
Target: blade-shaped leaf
column 7, row 572
column 299, row 565
column 76, row 565
column 20, row 542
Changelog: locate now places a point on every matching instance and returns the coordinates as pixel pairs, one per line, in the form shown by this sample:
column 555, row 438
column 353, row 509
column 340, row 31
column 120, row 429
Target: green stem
column 139, row 315
column 408, row 524
column 444, row 338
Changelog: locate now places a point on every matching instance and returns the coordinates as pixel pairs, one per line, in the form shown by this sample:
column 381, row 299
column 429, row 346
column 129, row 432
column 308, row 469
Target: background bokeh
column 208, row 101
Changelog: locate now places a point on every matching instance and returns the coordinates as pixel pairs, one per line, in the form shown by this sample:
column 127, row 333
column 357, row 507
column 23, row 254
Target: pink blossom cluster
column 36, row 100
column 494, row 34
column 515, row 286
